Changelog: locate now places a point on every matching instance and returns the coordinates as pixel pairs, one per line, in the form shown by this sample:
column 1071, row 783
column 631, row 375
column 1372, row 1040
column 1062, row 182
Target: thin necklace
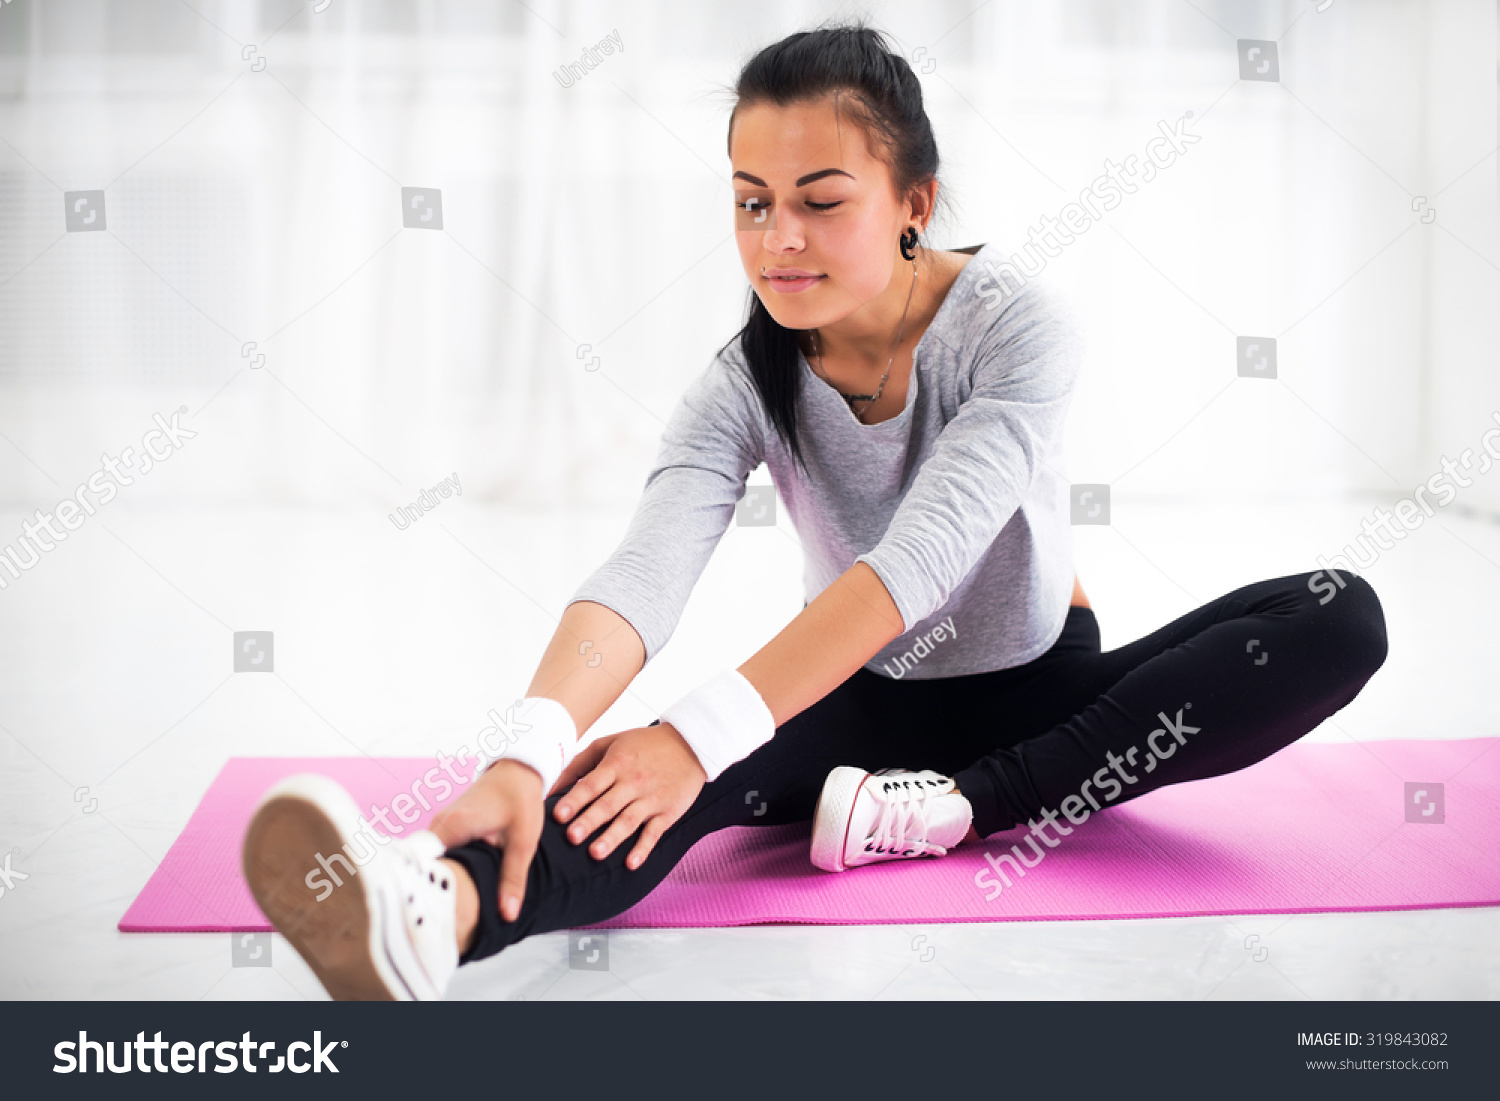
column 868, row 399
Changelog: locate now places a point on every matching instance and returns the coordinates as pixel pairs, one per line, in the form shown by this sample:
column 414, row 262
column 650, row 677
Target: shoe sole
column 831, row 817
column 342, row 937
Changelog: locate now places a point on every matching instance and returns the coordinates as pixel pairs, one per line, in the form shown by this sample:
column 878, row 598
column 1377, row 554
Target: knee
column 1351, row 620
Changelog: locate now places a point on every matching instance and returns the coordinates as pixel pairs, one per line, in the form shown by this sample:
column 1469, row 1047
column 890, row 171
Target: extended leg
column 566, row 887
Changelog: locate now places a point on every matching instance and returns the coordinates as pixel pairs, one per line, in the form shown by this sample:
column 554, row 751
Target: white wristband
column 723, row 719
column 546, row 738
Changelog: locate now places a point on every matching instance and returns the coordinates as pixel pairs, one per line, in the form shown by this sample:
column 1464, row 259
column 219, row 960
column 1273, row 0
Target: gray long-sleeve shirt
column 959, row 503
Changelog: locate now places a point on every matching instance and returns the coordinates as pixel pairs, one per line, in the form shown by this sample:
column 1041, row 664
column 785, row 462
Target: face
column 813, row 201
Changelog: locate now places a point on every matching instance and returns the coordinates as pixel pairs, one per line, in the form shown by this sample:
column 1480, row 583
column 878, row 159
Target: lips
column 791, row 280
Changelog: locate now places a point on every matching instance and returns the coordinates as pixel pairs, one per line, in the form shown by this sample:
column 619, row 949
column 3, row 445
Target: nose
column 787, row 236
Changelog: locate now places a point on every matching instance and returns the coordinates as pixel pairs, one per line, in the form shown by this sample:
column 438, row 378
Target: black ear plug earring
column 909, row 243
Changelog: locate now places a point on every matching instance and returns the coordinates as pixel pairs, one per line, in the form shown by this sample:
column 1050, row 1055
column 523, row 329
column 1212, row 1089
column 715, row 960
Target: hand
column 503, row 807
column 647, row 775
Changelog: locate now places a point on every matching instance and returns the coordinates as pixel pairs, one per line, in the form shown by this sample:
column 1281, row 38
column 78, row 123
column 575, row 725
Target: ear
column 921, row 202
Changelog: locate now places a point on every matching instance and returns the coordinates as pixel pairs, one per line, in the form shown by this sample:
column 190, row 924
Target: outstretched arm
column 593, row 655
column 624, row 613
column 981, row 467
column 849, row 623
column 650, row 776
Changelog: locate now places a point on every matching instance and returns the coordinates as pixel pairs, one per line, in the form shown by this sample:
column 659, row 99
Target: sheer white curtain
column 263, row 204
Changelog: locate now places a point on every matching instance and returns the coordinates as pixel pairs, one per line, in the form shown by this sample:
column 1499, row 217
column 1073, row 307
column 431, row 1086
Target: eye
column 754, row 204
column 820, row 207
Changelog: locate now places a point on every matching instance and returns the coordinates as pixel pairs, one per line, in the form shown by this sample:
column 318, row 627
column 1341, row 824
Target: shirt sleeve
column 1025, row 363
column 712, row 441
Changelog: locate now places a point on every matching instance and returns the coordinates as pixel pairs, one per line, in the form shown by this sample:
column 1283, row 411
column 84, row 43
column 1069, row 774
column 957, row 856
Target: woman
column 913, row 430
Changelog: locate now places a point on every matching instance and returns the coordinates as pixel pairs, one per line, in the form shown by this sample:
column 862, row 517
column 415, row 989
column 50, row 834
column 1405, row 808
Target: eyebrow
column 801, row 180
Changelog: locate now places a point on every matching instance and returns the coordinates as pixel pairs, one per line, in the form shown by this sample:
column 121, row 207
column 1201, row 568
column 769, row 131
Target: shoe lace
column 902, row 825
column 413, row 873
column 414, row 870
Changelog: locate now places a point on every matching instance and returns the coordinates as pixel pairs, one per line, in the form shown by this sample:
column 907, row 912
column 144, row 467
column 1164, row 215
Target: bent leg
column 1212, row 692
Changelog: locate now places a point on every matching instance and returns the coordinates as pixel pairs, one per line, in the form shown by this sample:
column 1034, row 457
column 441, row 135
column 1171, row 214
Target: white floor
column 116, row 658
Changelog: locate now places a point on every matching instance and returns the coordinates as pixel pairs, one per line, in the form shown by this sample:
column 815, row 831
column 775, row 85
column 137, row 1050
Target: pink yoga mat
column 1316, row 827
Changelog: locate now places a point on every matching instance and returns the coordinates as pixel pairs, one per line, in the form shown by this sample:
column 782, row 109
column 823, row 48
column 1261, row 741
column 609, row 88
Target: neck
column 868, row 334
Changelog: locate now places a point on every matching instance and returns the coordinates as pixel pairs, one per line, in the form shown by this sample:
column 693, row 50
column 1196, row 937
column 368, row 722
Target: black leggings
column 1252, row 671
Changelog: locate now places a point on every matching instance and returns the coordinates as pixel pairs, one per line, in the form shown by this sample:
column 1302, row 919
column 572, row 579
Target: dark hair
column 882, row 95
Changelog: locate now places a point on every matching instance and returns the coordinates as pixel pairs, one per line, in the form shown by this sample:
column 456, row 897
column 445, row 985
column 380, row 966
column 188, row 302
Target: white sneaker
column 893, row 814
column 375, row 917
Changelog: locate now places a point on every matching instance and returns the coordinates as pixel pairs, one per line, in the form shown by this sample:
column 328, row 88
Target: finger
column 625, row 824
column 467, row 819
column 520, row 846
column 439, row 825
column 588, row 757
column 655, row 827
column 600, row 780
column 611, row 803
